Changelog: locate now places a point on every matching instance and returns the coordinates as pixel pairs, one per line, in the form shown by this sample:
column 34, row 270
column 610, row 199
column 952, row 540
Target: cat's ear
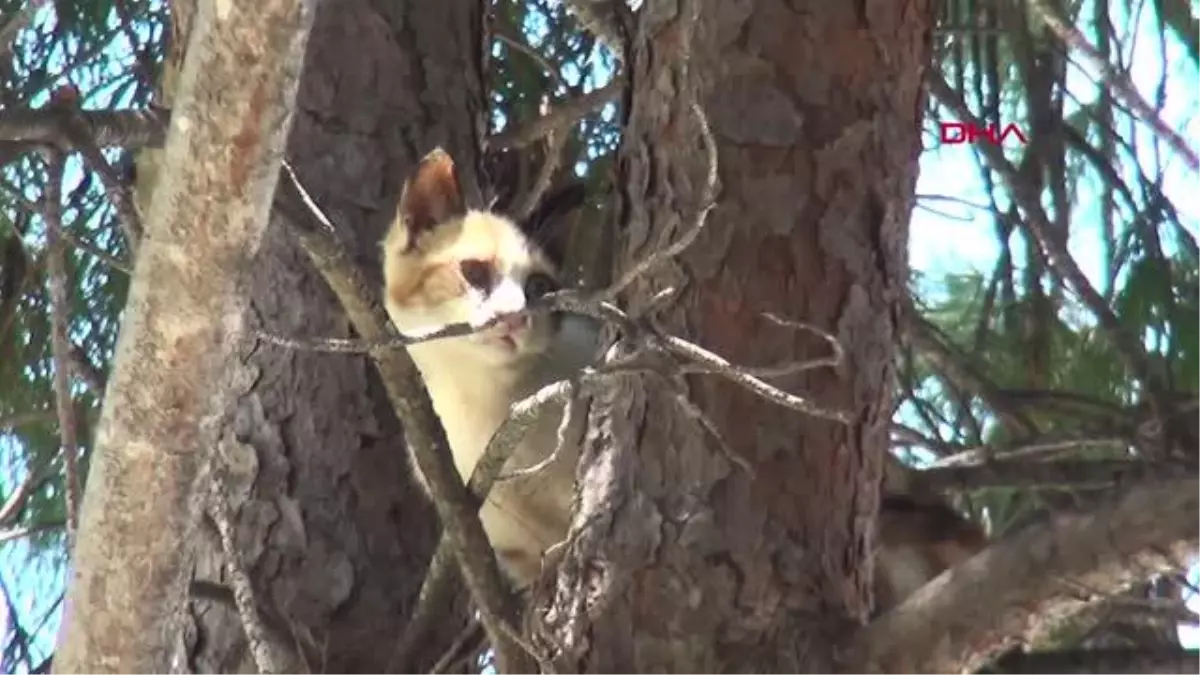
column 549, row 225
column 432, row 195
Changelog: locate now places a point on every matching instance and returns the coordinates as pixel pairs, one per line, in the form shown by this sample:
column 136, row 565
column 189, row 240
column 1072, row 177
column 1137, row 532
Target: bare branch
column 1043, row 449
column 559, row 118
column 1028, row 577
column 60, row 345
column 1051, row 475
column 718, row 365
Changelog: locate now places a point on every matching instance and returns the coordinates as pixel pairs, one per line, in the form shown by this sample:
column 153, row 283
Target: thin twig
column 552, row 158
column 11, row 509
column 1040, row 450
column 720, row 366
column 27, row 531
column 560, row 444
column 60, row 346
column 1070, row 475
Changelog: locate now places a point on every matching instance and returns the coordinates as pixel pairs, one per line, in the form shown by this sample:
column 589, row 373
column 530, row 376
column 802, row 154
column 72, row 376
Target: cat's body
column 446, row 264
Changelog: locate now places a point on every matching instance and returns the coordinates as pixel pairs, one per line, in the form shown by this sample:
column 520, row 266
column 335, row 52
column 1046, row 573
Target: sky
column 945, row 239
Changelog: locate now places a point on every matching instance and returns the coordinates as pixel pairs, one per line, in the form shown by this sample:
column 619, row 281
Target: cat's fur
column 473, row 380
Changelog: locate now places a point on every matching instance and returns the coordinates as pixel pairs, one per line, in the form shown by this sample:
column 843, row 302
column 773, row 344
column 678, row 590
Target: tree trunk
column 335, row 533
column 680, row 561
column 184, row 318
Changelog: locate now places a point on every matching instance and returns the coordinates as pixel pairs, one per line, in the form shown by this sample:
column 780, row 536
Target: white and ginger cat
column 920, row 536
column 447, row 264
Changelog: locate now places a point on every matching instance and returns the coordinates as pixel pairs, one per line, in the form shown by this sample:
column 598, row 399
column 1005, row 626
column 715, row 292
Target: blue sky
column 952, row 239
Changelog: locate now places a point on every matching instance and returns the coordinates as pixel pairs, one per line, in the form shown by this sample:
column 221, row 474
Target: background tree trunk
column 680, row 561
column 335, row 532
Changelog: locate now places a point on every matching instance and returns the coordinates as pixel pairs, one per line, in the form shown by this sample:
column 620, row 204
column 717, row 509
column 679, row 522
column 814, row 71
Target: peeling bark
column 183, row 321
column 678, row 561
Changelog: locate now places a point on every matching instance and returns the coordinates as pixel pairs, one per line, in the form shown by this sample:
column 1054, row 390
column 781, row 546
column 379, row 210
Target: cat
column 919, row 537
column 447, row 264
column 444, row 264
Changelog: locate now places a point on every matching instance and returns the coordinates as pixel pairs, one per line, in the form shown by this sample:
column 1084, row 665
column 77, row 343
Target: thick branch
column 129, row 129
column 183, row 320
column 1132, row 661
column 60, row 345
column 961, row 618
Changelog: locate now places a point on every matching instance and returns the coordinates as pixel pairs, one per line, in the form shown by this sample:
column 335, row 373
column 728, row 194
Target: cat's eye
column 539, row 284
column 477, row 273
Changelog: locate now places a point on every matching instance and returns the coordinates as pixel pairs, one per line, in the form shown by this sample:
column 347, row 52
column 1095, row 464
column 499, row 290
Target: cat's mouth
column 507, row 331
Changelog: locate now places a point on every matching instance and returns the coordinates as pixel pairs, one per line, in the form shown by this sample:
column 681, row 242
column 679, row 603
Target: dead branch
column 559, row 118
column 503, row 34
column 1066, row 475
column 551, row 159
column 423, row 430
column 22, row 531
column 60, row 346
column 1044, row 448
column 993, row 599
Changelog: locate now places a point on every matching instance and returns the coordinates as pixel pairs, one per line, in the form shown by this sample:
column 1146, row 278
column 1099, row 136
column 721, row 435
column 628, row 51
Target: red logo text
column 955, row 133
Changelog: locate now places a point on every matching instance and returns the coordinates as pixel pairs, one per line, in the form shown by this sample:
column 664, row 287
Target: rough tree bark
column 335, row 533
column 184, row 318
column 679, row 561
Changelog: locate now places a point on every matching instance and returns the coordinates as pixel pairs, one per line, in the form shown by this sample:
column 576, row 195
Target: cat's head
column 445, row 263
